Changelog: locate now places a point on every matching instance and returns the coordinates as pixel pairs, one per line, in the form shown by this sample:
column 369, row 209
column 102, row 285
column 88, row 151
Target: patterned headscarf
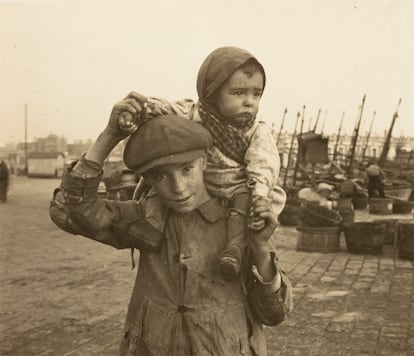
column 215, row 70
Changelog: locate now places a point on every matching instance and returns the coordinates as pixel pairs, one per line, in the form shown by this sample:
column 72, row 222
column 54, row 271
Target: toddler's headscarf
column 215, row 70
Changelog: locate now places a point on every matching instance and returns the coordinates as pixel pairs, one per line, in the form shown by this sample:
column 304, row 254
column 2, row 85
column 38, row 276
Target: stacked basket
column 320, row 229
column 365, row 237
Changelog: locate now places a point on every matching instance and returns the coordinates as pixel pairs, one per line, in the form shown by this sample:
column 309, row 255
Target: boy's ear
column 147, row 179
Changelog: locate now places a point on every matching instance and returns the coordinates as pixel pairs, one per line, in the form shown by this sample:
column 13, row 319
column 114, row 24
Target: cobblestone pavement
column 66, row 295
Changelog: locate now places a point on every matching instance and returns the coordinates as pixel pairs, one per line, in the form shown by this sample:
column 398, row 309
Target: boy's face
column 238, row 98
column 180, row 186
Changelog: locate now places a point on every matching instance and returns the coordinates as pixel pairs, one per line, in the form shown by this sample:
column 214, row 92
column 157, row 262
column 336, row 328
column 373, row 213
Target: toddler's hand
column 125, row 114
column 256, row 224
column 263, row 218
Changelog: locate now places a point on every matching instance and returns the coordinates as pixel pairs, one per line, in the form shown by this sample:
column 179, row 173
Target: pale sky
column 70, row 61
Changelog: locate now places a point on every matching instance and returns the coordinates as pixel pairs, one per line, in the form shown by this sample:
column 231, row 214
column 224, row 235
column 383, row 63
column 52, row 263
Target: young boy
column 179, row 305
column 244, row 162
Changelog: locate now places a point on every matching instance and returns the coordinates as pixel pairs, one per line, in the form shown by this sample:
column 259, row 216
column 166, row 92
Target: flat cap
column 164, row 140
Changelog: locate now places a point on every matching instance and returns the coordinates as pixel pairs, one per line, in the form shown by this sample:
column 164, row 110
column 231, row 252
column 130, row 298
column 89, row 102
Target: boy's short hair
column 166, row 139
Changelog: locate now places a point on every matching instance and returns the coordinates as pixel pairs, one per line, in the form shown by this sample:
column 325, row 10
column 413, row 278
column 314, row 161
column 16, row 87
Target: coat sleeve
column 159, row 106
column 263, row 167
column 267, row 305
column 77, row 209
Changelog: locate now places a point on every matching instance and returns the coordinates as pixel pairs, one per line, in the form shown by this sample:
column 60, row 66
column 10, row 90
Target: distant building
column 51, row 143
column 77, row 148
column 45, row 164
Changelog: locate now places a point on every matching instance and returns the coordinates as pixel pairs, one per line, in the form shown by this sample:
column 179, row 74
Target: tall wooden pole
column 324, row 121
column 299, row 139
column 386, row 146
column 291, row 149
column 355, row 137
column 281, row 126
column 317, row 120
column 364, row 150
column 338, row 136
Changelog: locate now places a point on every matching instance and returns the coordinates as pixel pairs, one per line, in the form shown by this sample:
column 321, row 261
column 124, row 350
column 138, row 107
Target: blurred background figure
column 351, row 189
column 375, row 180
column 4, row 181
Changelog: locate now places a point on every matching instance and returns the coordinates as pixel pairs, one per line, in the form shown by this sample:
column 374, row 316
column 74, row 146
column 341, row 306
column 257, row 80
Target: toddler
column 243, row 163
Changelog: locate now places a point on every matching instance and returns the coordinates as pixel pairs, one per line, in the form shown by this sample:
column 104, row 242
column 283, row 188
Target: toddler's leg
column 230, row 262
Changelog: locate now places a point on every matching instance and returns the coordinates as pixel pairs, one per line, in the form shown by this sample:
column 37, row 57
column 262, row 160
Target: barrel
column 390, row 230
column 290, row 215
column 318, row 239
column 382, row 206
column 406, row 240
column 360, row 203
column 401, row 207
column 313, row 215
column 364, row 237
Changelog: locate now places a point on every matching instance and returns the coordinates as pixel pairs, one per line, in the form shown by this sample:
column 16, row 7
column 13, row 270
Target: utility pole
column 25, row 139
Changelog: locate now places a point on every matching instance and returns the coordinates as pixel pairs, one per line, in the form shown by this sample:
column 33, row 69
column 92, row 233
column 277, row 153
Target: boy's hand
column 262, row 213
column 125, row 115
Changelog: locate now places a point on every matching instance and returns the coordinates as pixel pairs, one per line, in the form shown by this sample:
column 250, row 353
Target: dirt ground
column 65, row 295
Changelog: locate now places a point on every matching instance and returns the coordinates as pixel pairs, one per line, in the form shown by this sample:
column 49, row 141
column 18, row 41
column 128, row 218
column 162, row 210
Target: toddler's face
column 238, row 98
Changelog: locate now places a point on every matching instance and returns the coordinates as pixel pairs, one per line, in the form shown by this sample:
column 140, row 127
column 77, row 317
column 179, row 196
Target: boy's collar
column 212, row 210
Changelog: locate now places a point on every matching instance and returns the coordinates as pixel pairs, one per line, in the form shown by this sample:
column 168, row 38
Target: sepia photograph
column 206, row 177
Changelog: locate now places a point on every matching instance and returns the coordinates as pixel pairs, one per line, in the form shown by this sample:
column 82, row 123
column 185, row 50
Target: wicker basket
column 364, row 237
column 382, row 206
column 318, row 239
column 391, row 226
column 406, row 240
column 360, row 203
column 402, row 207
column 314, row 215
column 290, row 215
